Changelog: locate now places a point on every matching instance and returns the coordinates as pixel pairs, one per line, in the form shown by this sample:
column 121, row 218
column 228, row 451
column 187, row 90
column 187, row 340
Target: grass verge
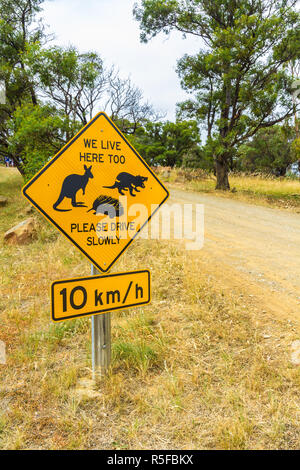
column 193, row 370
column 278, row 192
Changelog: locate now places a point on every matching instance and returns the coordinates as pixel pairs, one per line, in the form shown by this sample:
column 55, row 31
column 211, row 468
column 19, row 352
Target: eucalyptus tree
column 52, row 91
column 19, row 27
column 238, row 80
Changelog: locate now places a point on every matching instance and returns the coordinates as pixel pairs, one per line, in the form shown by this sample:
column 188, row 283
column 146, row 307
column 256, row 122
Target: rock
column 295, row 356
column 3, row 201
column 22, row 233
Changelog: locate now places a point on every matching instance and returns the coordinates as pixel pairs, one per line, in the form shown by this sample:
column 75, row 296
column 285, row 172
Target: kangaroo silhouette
column 126, row 181
column 71, row 186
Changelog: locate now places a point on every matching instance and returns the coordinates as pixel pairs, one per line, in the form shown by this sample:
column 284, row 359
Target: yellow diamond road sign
column 98, row 192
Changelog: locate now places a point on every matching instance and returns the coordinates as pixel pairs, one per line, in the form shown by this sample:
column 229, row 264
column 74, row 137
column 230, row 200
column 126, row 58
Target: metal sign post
column 99, row 295
column 99, row 166
column 101, row 341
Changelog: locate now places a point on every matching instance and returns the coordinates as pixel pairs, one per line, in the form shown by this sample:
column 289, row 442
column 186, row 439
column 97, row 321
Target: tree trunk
column 18, row 165
column 222, row 174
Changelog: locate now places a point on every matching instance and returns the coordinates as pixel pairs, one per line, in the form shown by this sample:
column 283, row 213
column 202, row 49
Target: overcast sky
column 108, row 27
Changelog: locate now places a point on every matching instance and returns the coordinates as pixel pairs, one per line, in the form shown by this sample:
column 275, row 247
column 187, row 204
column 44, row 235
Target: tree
column 53, row 86
column 126, row 106
column 36, row 133
column 294, row 69
column 79, row 83
column 71, row 81
column 18, row 29
column 238, row 77
column 168, row 143
column 269, row 151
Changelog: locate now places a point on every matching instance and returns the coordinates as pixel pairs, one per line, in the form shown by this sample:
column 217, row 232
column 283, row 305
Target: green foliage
column 296, row 148
column 168, row 143
column 53, row 91
column 239, row 79
column 36, row 134
column 269, row 151
column 72, row 81
column 16, row 34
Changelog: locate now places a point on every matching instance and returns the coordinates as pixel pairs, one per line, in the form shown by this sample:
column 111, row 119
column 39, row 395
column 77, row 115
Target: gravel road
column 252, row 248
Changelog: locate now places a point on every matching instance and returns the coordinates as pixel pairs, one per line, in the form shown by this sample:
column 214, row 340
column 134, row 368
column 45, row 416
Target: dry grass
column 280, row 192
column 194, row 370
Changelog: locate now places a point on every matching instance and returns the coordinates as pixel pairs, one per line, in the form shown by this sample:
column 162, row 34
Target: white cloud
column 108, row 27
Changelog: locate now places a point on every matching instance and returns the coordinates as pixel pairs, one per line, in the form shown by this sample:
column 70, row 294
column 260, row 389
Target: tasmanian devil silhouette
column 126, row 181
column 71, row 186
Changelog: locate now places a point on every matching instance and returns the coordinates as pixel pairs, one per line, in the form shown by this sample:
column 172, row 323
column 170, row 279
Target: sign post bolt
column 101, row 341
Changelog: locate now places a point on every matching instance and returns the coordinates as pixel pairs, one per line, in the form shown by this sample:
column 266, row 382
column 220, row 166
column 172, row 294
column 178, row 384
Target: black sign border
column 27, row 186
column 78, row 279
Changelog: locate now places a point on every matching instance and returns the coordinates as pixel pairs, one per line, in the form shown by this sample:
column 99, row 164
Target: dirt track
column 251, row 249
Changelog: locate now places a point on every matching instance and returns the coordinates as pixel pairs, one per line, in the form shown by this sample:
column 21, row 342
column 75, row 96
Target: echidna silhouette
column 108, row 206
column 126, row 181
column 71, row 186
